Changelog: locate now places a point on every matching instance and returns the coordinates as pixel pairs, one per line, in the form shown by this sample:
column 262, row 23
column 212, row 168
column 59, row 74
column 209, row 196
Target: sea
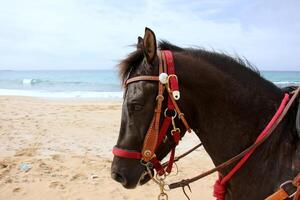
column 90, row 84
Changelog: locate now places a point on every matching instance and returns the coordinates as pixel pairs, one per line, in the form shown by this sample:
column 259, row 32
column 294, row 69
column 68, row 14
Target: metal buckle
column 160, row 97
column 175, row 93
column 172, row 75
column 148, row 164
column 285, row 183
column 174, row 130
column 166, row 110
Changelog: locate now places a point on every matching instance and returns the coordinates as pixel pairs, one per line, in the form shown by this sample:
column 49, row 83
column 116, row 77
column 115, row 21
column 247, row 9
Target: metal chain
column 160, row 181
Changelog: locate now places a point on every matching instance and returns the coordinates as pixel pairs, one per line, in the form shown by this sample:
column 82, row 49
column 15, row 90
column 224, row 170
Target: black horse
column 227, row 104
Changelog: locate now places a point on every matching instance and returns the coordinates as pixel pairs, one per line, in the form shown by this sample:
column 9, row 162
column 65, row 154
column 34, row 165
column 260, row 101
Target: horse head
column 139, row 103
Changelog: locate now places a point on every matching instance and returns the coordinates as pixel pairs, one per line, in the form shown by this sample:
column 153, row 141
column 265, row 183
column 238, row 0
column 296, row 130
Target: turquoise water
column 101, row 80
column 103, row 84
column 282, row 78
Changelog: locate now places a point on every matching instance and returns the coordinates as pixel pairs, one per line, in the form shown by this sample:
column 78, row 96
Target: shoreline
column 66, row 100
column 97, row 95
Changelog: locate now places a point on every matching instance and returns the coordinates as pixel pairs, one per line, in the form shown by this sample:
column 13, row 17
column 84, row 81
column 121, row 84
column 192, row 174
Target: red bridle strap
column 126, row 153
column 155, row 134
column 173, row 81
column 220, row 185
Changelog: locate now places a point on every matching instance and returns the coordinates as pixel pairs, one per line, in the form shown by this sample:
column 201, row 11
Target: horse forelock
column 129, row 64
column 132, row 61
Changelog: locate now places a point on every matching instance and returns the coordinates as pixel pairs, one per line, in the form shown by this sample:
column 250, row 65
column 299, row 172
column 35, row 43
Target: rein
column 219, row 188
column 167, row 80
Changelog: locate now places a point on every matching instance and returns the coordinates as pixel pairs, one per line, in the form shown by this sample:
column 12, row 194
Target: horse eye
column 137, row 107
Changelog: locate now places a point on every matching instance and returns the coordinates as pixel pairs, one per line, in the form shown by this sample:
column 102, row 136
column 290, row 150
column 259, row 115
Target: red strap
column 163, row 130
column 171, row 70
column 157, row 166
column 176, row 138
column 219, row 188
column 261, row 135
column 126, row 154
column 170, row 104
column 171, row 161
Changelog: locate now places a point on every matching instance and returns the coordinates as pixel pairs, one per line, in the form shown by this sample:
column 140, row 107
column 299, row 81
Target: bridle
column 167, row 81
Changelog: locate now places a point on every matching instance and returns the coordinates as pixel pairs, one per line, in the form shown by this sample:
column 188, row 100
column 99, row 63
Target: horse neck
column 227, row 113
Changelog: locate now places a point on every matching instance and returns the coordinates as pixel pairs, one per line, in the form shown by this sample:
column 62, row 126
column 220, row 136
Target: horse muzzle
column 128, row 172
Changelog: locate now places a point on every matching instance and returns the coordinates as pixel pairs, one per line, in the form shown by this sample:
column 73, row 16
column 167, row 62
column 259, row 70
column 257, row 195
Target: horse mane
column 221, row 60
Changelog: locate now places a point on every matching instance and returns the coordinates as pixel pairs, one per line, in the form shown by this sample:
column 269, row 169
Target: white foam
column 27, row 81
column 287, row 82
column 73, row 94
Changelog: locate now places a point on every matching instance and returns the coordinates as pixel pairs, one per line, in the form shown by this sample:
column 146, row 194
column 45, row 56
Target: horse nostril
column 118, row 177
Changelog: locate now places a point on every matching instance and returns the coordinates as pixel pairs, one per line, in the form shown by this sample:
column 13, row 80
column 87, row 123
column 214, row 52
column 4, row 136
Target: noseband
column 167, row 81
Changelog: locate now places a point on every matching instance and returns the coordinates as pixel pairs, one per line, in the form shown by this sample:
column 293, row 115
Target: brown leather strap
column 177, row 158
column 141, row 78
column 296, row 180
column 150, row 141
column 297, row 194
column 278, row 195
column 186, row 182
column 281, row 194
column 180, row 114
column 296, row 183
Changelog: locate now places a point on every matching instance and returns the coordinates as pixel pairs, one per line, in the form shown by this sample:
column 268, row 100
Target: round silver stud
column 163, row 78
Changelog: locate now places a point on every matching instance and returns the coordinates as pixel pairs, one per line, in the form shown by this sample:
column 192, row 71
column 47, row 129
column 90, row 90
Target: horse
column 226, row 102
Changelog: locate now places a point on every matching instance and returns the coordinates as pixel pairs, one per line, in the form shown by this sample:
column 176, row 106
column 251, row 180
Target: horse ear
column 149, row 45
column 140, row 42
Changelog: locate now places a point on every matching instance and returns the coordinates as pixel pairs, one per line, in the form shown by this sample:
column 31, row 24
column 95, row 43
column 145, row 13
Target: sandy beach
column 59, row 149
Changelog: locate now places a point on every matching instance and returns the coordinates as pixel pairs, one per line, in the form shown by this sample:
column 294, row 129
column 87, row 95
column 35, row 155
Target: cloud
column 82, row 34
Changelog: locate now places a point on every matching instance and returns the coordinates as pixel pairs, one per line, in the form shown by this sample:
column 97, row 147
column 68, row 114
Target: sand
column 54, row 149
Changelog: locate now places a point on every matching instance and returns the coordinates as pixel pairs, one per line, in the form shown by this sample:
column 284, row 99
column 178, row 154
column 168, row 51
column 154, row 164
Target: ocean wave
column 41, row 84
column 287, row 83
column 64, row 95
column 27, row 81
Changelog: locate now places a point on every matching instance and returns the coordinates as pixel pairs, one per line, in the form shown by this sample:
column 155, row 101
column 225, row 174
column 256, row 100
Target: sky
column 97, row 34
